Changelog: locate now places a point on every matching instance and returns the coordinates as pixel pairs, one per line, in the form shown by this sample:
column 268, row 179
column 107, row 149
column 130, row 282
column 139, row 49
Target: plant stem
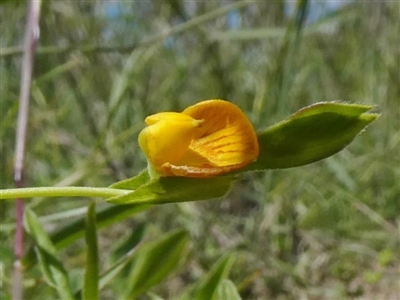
column 71, row 191
column 30, row 43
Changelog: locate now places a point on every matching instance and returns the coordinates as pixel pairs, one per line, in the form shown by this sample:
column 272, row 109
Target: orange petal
column 198, row 172
column 225, row 142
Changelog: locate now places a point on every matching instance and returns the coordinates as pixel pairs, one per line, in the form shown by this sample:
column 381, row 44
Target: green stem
column 70, row 191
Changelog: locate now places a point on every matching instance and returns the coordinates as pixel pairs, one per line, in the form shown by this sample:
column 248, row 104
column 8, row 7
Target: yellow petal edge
column 210, row 138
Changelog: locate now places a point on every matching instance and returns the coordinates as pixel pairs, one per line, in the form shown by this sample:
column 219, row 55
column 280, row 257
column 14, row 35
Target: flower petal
column 225, row 142
column 198, row 172
column 167, row 137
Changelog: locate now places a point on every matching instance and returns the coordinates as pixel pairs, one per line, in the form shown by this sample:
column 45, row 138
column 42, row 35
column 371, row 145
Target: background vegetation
column 329, row 230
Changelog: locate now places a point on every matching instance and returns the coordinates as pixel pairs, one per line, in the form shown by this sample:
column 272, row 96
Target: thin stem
column 70, row 191
column 30, row 43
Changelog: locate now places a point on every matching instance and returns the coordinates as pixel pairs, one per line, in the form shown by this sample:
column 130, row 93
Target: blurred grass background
column 329, row 230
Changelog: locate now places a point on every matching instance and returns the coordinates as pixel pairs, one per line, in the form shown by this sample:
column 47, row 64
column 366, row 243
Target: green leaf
column 153, row 296
column 111, row 273
column 76, row 229
column 121, row 257
column 154, row 261
column 91, row 281
column 53, row 270
column 134, row 182
column 311, row 134
column 117, row 268
column 177, row 189
column 227, row 291
column 128, row 243
column 209, row 285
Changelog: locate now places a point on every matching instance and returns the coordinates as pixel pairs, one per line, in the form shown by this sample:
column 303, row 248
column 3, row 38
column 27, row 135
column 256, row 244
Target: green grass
column 323, row 231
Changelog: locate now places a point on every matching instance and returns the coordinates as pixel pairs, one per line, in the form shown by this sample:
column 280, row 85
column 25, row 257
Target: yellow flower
column 210, row 138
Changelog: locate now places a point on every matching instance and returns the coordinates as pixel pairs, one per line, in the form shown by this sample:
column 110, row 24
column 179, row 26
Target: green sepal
column 133, row 182
column 311, row 134
column 177, row 189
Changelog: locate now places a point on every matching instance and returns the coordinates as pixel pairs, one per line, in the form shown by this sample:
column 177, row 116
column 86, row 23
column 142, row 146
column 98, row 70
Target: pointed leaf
column 311, row 134
column 113, row 271
column 153, row 296
column 177, row 189
column 209, row 285
column 128, row 243
column 227, row 291
column 76, row 229
column 53, row 270
column 117, row 268
column 155, row 261
column 91, row 281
